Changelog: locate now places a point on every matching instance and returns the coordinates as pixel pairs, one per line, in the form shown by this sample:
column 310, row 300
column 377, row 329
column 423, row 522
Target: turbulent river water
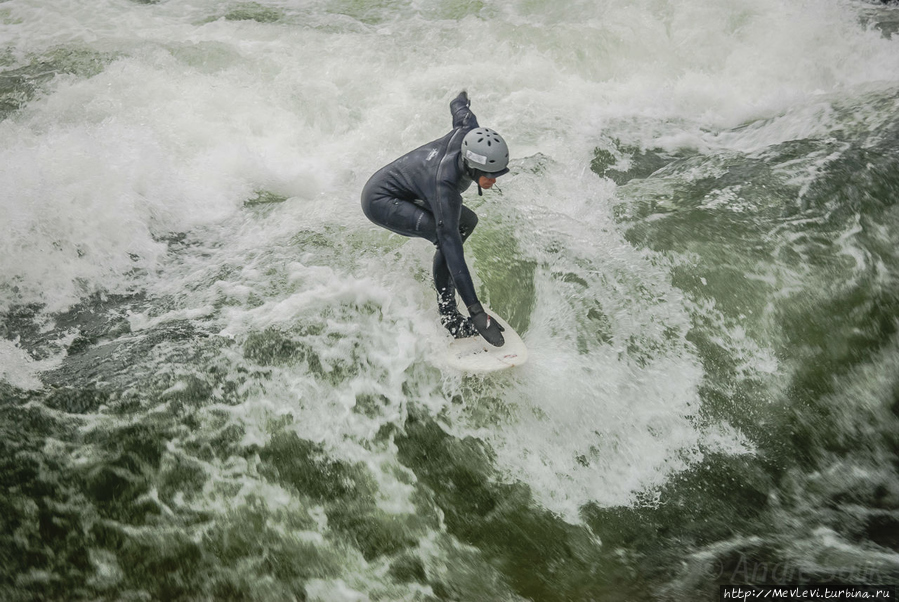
column 219, row 381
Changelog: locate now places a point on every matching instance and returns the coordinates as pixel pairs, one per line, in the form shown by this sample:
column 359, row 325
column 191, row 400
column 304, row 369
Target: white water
column 193, row 115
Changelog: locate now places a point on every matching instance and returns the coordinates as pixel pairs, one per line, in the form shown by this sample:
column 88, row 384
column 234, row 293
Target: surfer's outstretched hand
column 489, row 328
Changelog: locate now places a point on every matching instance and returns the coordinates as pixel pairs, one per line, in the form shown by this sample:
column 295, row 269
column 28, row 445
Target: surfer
column 420, row 195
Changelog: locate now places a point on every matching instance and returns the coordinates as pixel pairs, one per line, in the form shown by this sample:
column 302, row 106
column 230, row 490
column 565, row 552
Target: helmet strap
column 474, row 174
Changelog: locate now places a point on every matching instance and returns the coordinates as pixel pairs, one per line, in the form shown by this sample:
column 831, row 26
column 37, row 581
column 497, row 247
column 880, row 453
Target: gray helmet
column 486, row 151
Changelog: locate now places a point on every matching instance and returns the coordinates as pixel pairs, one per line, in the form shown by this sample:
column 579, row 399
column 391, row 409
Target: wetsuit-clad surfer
column 420, row 195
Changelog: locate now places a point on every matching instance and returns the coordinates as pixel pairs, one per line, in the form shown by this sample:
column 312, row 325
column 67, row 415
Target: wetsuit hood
column 468, row 173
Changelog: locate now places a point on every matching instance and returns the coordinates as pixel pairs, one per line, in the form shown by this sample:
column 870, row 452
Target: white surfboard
column 474, row 354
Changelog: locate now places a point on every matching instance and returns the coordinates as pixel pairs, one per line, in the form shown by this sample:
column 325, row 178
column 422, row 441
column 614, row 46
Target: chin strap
column 472, row 173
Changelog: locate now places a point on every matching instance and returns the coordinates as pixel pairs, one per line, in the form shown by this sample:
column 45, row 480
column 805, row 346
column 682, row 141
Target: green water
column 218, row 381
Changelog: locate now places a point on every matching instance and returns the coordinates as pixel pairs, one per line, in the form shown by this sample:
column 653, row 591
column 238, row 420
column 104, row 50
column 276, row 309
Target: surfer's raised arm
column 419, row 195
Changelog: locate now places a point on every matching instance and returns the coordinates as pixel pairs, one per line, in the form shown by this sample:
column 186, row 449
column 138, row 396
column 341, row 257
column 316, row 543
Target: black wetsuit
column 420, row 195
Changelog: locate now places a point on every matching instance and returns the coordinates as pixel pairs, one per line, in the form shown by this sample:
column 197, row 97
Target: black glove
column 489, row 328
